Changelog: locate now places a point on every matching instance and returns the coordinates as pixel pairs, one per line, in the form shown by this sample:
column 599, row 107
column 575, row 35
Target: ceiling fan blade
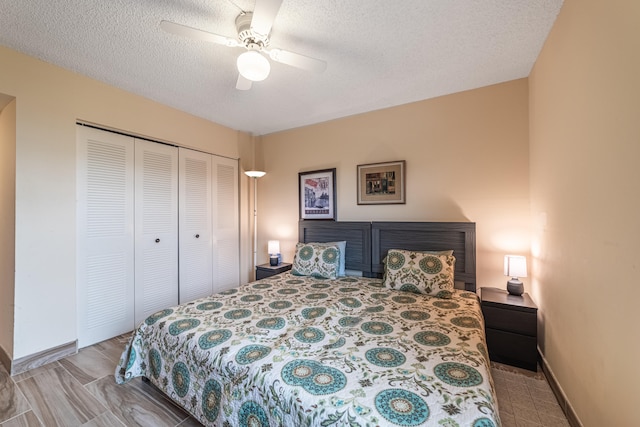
column 194, row 33
column 264, row 15
column 243, row 83
column 297, row 60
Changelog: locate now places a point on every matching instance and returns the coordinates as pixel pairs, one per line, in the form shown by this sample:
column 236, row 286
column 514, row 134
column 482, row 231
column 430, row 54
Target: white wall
column 49, row 100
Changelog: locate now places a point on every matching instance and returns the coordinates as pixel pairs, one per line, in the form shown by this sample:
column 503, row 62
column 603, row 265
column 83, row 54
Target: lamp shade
column 255, row 174
column 253, row 66
column 273, row 247
column 515, row 266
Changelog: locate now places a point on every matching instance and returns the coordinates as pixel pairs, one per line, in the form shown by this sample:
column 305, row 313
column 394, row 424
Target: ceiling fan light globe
column 253, row 66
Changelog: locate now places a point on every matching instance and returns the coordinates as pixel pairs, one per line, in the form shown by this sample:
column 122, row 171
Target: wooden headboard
column 368, row 243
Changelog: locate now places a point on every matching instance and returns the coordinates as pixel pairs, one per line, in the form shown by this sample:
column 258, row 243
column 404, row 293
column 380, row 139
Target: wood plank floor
column 80, row 390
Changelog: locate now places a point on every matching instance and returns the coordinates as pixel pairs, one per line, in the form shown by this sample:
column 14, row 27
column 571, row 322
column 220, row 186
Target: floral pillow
column 342, row 245
column 420, row 272
column 317, row 260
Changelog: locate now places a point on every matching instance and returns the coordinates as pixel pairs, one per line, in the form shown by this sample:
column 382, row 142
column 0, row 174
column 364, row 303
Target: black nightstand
column 511, row 326
column 266, row 270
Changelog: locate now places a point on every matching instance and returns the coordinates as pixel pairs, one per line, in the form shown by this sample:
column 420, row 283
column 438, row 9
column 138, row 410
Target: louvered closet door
column 156, row 228
column 226, row 237
column 196, row 263
column 105, row 240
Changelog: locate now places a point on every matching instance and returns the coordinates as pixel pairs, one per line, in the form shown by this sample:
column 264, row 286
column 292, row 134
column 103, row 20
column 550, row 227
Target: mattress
column 304, row 351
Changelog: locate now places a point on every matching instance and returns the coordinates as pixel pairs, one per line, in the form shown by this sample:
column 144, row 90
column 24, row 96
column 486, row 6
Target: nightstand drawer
column 519, row 322
column 512, row 349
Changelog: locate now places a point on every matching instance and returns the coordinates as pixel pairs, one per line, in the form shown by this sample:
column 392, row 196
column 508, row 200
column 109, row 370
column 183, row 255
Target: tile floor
column 525, row 398
column 79, row 390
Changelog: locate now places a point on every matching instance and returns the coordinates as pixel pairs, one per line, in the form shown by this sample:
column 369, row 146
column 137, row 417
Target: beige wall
column 585, row 196
column 7, row 219
column 467, row 160
column 49, row 100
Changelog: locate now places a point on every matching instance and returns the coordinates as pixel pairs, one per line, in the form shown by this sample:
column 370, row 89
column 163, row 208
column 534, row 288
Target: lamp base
column 515, row 287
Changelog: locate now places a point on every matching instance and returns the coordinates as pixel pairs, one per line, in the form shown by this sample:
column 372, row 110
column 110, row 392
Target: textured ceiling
column 380, row 53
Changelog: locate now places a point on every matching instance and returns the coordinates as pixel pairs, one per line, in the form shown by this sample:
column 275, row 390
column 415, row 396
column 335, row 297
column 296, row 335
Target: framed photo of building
column 317, row 190
column 381, row 183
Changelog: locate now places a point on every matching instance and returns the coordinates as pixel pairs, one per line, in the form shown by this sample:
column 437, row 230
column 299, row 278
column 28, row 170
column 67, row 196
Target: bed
column 300, row 350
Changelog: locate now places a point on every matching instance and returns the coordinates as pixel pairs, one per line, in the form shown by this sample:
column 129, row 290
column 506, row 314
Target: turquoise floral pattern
column 213, row 338
column 432, row 338
column 414, row 315
column 309, row 335
column 334, row 352
column 280, row 305
column 181, row 379
column 252, row 353
column 212, row 305
column 385, row 357
column 237, row 314
column 313, row 312
column 271, row 323
column 178, row 327
column 155, row 363
column 252, row 415
column 458, row 374
column 402, row 407
column 377, row 328
column 420, row 272
column 157, row 316
column 316, row 260
column 314, row 377
column 211, row 396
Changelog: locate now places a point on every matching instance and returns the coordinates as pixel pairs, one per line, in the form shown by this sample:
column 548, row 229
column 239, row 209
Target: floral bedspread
column 301, row 351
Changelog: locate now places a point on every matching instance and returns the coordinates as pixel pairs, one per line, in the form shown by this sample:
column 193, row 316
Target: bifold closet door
column 156, row 228
column 105, row 238
column 134, row 257
column 226, row 234
column 196, row 258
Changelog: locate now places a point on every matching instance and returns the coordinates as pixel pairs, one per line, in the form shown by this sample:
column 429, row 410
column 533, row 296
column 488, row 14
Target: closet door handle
column 197, row 236
column 157, row 240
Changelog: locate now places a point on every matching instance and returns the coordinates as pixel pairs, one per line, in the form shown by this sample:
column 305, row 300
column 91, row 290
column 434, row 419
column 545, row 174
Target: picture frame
column 317, row 194
column 382, row 183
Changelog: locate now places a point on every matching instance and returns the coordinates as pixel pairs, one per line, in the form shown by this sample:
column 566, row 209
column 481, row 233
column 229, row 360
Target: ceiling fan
column 253, row 35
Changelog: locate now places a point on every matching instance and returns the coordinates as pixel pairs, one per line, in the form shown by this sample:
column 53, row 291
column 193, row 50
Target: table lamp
column 273, row 246
column 515, row 266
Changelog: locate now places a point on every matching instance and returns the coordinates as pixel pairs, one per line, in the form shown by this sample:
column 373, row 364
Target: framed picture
column 381, row 183
column 317, row 191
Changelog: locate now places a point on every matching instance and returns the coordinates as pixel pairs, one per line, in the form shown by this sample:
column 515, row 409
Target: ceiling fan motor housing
column 248, row 38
